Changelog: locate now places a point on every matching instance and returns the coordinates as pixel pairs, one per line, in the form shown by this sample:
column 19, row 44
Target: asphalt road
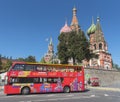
column 91, row 95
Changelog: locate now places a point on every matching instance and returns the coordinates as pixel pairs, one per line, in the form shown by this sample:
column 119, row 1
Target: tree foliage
column 30, row 58
column 73, row 45
column 116, row 66
column 0, row 63
column 7, row 65
column 62, row 47
column 42, row 60
column 21, row 59
column 4, row 66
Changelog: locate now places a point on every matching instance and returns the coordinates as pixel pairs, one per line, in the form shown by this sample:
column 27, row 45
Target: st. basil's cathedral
column 97, row 41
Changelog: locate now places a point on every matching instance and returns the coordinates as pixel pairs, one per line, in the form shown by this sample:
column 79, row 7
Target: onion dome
column 92, row 28
column 65, row 29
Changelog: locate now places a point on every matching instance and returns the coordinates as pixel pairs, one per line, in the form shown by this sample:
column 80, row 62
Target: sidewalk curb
column 105, row 88
column 1, row 87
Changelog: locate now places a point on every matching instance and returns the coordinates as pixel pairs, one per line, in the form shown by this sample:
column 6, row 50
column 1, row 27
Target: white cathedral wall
column 98, row 62
column 90, row 63
column 107, row 65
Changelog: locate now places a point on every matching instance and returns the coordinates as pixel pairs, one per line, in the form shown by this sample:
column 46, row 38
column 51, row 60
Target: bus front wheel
column 25, row 91
column 66, row 89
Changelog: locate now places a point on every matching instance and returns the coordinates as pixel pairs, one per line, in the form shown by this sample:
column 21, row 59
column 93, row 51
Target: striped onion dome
column 65, row 29
column 92, row 28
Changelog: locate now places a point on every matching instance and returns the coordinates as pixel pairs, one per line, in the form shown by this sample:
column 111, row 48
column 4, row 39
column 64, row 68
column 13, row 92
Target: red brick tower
column 74, row 24
column 99, row 46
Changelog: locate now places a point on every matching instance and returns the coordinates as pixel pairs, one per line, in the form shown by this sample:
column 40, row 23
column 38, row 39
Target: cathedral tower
column 74, row 24
column 49, row 55
column 99, row 46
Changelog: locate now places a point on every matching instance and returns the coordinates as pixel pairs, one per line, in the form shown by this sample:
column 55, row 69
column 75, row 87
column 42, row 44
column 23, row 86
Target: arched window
column 100, row 46
column 95, row 46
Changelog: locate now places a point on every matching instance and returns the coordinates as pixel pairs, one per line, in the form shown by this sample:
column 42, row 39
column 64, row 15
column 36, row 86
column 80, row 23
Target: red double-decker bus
column 26, row 78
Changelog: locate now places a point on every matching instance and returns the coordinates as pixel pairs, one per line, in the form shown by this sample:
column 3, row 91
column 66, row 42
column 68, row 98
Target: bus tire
column 66, row 89
column 25, row 90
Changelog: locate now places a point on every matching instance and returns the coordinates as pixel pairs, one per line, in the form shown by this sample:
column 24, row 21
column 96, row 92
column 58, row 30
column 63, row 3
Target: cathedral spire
column 74, row 19
column 49, row 55
column 74, row 11
column 92, row 20
column 50, row 41
column 74, row 23
column 99, row 34
column 98, row 26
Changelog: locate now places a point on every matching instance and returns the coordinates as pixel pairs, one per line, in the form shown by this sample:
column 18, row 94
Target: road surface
column 91, row 95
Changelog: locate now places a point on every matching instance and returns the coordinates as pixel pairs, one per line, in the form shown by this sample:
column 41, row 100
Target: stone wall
column 110, row 78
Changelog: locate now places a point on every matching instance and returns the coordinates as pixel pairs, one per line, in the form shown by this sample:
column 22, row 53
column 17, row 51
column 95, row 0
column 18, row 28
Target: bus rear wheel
column 66, row 89
column 25, row 91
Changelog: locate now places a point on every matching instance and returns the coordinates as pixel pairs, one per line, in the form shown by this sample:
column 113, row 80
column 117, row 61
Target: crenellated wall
column 107, row 78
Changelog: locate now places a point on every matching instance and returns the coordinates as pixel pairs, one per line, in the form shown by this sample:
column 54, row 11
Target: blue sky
column 26, row 24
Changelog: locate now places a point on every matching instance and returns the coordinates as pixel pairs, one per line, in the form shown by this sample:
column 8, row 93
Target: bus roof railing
column 68, row 65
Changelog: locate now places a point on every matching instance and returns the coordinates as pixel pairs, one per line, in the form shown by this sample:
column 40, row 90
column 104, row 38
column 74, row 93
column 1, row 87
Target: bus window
column 39, row 68
column 14, row 80
column 44, row 68
column 50, row 80
column 36, row 80
column 19, row 67
column 55, row 80
column 54, row 70
column 49, row 69
column 78, row 69
column 26, row 80
column 30, row 67
column 71, row 69
column 61, row 69
column 41, row 80
column 44, row 80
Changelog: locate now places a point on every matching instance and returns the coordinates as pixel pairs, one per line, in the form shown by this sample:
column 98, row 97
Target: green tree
column 116, row 66
column 0, row 62
column 78, row 46
column 42, row 60
column 62, row 47
column 73, row 45
column 21, row 59
column 30, row 59
column 8, row 64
